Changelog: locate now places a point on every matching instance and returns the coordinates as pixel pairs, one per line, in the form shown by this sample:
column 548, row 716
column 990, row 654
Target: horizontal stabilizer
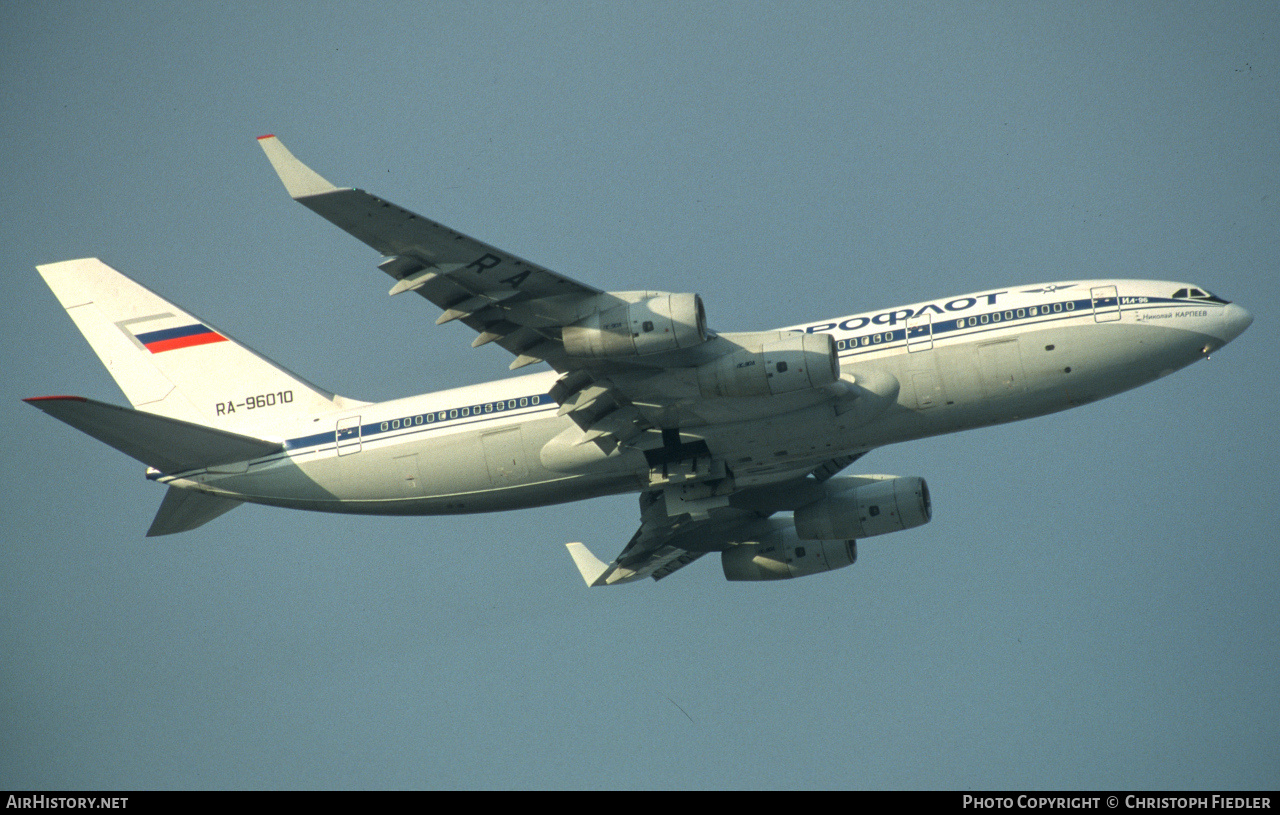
column 169, row 445
column 183, row 510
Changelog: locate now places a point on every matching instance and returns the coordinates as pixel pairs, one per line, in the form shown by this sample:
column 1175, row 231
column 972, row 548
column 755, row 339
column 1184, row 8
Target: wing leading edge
column 517, row 304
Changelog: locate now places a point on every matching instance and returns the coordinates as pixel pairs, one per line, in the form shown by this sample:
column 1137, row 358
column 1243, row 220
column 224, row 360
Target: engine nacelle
column 663, row 322
column 778, row 555
column 793, row 362
column 865, row 506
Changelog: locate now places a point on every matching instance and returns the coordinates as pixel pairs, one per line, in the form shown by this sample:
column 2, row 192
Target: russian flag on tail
column 184, row 337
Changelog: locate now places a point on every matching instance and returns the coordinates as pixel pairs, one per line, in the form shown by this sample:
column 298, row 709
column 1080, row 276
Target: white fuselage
column 940, row 366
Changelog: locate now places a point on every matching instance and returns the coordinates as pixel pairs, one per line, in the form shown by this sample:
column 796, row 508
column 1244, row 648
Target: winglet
column 589, row 565
column 299, row 180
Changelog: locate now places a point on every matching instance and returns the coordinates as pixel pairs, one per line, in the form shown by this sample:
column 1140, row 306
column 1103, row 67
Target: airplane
column 734, row 441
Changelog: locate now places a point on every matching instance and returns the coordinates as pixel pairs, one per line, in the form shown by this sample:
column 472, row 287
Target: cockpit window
column 1198, row 294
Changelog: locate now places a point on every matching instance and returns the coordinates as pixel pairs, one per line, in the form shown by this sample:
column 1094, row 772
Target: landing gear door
column 347, row 435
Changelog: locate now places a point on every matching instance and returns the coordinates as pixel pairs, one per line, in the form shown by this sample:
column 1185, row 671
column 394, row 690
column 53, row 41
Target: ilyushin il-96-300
column 735, row 441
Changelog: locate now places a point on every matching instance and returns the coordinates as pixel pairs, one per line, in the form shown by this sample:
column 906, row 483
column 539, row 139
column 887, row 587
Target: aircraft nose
column 1235, row 319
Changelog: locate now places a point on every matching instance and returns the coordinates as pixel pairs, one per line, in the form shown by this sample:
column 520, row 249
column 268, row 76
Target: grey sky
column 1093, row 605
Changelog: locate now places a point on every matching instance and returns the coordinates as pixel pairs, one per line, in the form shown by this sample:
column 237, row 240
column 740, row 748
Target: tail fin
column 173, row 364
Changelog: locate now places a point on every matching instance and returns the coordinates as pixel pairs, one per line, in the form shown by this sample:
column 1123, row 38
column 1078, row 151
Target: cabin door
column 347, row 435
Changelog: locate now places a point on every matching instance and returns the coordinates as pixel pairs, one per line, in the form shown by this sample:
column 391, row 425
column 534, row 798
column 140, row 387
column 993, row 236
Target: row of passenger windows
column 981, row 319
column 462, row 412
column 871, row 339
column 1034, row 311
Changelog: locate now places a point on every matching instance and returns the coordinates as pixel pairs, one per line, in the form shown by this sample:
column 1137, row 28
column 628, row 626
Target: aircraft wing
column 669, row 539
column 650, row 383
column 661, row 545
column 613, row 396
column 507, row 299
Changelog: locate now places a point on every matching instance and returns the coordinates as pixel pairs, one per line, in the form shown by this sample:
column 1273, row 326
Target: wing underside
column 669, row 539
column 659, row 547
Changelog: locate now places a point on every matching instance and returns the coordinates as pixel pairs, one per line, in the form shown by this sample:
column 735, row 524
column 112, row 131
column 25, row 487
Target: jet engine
column 651, row 325
column 777, row 554
column 822, row 535
column 863, row 507
column 793, row 362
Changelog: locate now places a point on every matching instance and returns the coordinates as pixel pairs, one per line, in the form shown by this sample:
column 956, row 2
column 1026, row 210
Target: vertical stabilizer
column 171, row 363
